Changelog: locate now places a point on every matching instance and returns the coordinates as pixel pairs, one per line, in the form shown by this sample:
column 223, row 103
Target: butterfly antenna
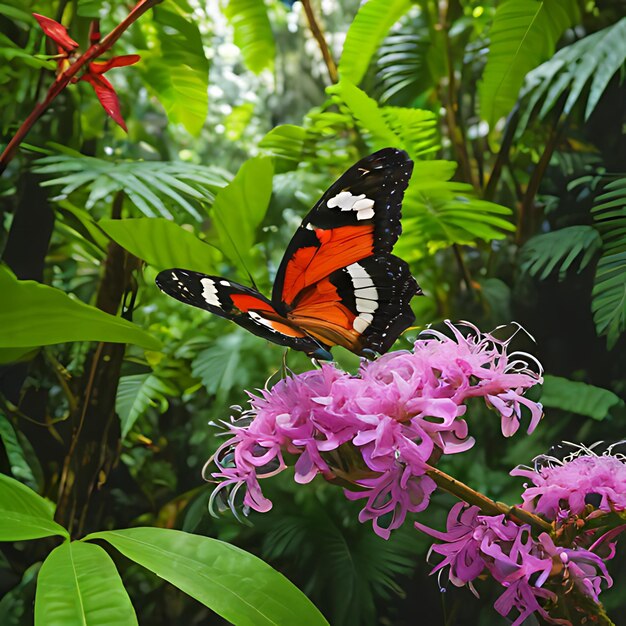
column 236, row 249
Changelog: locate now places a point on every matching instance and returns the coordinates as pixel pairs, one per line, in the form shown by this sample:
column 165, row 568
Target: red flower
column 57, row 33
column 94, row 75
column 104, row 89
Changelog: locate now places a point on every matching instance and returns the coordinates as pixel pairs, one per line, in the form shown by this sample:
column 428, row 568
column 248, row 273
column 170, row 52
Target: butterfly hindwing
column 359, row 215
column 243, row 305
column 363, row 306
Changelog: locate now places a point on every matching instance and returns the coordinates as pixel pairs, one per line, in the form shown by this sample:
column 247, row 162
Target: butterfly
column 338, row 283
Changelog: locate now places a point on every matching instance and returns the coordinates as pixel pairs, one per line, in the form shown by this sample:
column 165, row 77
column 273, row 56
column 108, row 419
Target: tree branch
column 321, row 41
column 65, row 78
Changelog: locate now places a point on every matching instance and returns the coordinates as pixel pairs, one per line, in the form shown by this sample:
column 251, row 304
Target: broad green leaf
column 523, row 35
column 369, row 27
column 32, row 314
column 79, row 585
column 253, row 33
column 24, row 514
column 577, row 397
column 161, row 243
column 136, row 394
column 545, row 253
column 235, row 584
column 177, row 70
column 19, row 454
column 239, row 209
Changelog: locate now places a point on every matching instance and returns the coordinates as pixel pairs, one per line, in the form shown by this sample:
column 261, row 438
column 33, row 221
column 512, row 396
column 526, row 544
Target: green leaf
column 78, row 584
column 33, row 314
column 285, row 141
column 19, row 454
column 608, row 296
column 177, row 70
column 24, row 514
column 217, row 366
column 136, row 394
column 154, row 187
column 235, row 584
column 239, row 209
column 523, row 35
column 439, row 215
column 545, row 253
column 368, row 116
column 577, row 397
column 253, row 33
column 161, row 243
column 370, row 25
column 400, row 127
column 593, row 60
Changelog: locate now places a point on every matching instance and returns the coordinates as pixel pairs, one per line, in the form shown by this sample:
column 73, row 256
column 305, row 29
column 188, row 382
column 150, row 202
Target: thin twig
column 321, row 41
column 65, row 78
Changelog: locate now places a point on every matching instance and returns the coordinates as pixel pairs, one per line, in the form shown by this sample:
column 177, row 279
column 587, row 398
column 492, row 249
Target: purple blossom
column 563, row 488
column 400, row 411
column 474, row 543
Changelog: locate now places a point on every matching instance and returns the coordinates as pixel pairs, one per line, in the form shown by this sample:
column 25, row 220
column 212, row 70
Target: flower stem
column 487, row 506
column 65, row 78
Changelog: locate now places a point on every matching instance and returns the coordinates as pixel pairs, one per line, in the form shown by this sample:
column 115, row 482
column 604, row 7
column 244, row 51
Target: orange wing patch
column 247, row 303
column 338, row 248
column 322, row 315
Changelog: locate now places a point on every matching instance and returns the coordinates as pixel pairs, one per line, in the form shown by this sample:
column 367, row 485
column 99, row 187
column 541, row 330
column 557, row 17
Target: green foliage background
column 513, row 113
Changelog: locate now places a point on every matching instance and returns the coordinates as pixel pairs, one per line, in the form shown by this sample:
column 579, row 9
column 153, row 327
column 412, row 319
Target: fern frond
column 136, row 394
column 558, row 250
column 156, row 188
column 593, row 61
column 609, row 291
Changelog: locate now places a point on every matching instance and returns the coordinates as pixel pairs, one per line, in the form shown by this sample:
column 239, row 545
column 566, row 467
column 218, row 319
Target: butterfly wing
column 242, row 305
column 363, row 307
column 358, row 216
column 338, row 280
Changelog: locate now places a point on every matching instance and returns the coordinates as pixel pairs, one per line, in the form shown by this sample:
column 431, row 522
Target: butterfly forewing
column 358, row 216
column 243, row 305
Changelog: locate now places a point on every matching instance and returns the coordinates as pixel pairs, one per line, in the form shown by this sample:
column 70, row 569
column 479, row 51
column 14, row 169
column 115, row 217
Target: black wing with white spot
column 359, row 215
column 378, row 290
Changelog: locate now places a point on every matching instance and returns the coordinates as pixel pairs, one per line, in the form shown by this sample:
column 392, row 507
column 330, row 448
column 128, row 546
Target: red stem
column 64, row 79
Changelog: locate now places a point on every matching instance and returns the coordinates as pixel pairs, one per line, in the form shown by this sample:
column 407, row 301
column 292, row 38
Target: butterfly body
column 338, row 283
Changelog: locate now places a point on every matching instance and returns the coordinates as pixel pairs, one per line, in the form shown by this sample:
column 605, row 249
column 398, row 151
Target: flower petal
column 100, row 67
column 108, row 98
column 57, row 32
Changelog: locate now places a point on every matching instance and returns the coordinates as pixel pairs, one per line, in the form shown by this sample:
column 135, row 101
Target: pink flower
column 566, row 487
column 385, row 424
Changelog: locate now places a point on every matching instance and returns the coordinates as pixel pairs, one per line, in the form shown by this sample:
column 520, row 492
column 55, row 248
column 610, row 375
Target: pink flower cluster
column 475, row 543
column 569, row 492
column 561, row 488
column 400, row 411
